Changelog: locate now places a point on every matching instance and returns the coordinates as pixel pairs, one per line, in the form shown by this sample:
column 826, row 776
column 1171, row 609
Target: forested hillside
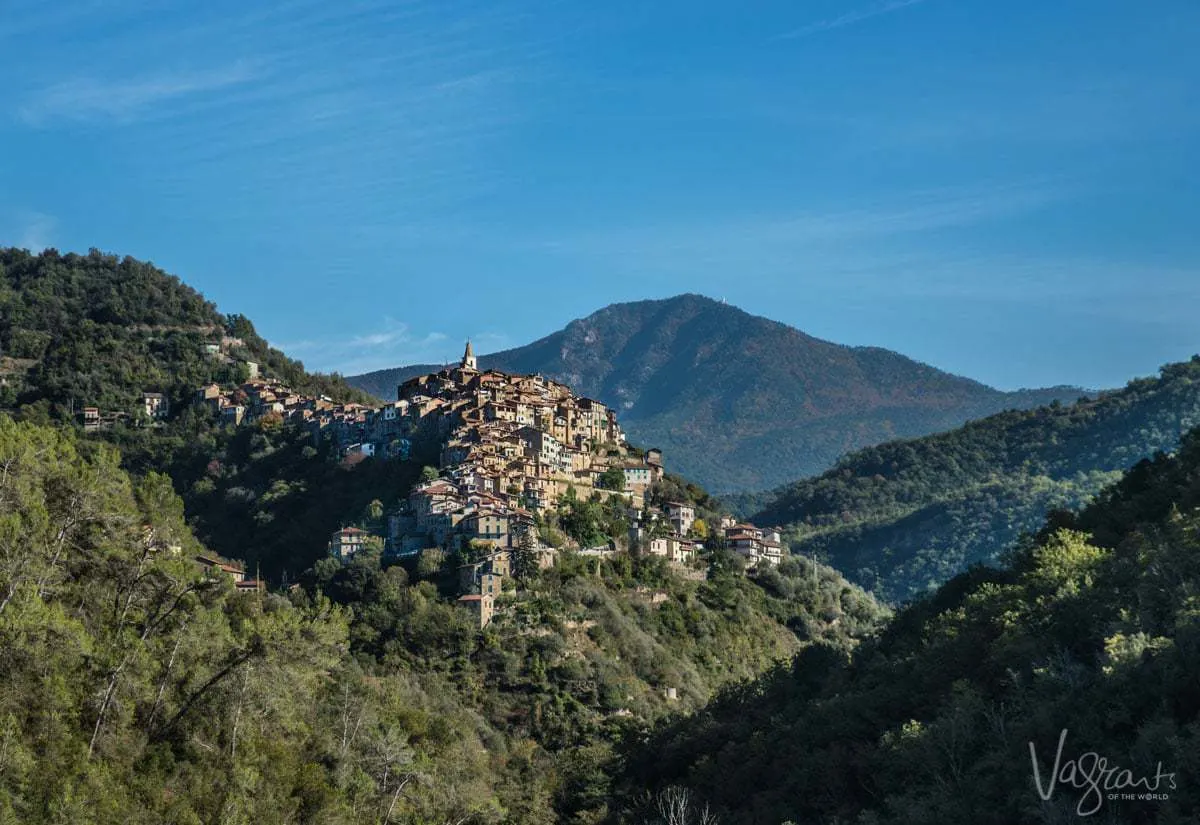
column 740, row 402
column 905, row 516
column 137, row 689
column 98, row 330
column 1092, row 628
column 263, row 493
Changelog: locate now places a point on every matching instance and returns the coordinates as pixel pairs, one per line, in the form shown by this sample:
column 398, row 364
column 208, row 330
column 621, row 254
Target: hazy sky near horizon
column 1003, row 190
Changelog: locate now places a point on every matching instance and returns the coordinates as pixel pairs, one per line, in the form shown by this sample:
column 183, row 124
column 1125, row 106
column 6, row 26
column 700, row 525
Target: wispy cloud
column 307, row 117
column 394, row 344
column 35, row 230
column 839, row 228
column 90, row 98
column 849, row 18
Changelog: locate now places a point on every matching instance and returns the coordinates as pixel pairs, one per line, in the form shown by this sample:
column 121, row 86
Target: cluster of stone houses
column 488, row 419
column 511, row 446
column 671, row 534
column 667, row 533
column 353, row 428
column 519, row 440
column 507, row 431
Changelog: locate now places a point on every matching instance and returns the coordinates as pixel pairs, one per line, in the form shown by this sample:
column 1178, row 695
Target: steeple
column 468, row 361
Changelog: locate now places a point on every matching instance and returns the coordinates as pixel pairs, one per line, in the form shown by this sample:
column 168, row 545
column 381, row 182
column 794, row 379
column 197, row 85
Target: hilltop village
column 510, row 449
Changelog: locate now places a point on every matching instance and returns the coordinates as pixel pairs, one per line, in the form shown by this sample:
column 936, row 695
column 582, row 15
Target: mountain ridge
column 716, row 386
column 904, row 515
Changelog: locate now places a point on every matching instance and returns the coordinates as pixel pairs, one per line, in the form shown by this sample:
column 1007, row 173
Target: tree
column 611, row 479
column 524, row 557
column 429, row 474
column 675, row 806
column 430, row 562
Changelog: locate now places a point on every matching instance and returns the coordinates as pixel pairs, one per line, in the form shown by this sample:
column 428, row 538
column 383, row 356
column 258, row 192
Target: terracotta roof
column 225, row 566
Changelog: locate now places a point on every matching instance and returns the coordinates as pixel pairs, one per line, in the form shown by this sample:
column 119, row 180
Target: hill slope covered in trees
column 740, row 402
column 136, row 689
column 98, row 330
column 1091, row 628
column 905, row 516
column 139, row 690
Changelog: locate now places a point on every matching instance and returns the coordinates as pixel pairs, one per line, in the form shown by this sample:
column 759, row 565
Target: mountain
column 1087, row 641
column 740, row 402
column 905, row 516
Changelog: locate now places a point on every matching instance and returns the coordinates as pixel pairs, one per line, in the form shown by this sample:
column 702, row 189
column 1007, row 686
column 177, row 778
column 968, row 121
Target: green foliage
column 592, row 522
column 905, row 516
column 98, row 330
column 580, row 655
column 524, row 558
column 1093, row 626
column 138, row 689
column 266, row 495
column 611, row 479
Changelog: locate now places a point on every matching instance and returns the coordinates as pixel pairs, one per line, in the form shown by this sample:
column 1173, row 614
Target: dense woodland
column 1091, row 626
column 98, row 330
column 137, row 690
column 265, row 493
column 902, row 517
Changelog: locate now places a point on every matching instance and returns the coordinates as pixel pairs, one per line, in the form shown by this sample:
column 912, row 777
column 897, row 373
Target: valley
column 484, row 600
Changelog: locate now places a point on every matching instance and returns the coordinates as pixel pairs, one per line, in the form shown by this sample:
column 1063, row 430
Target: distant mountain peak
column 741, row 401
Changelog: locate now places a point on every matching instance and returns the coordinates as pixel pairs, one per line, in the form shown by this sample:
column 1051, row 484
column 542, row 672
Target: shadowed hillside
column 1089, row 632
column 905, row 516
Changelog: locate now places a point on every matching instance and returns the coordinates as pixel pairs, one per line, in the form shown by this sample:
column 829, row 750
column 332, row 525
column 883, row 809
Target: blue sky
column 1005, row 190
